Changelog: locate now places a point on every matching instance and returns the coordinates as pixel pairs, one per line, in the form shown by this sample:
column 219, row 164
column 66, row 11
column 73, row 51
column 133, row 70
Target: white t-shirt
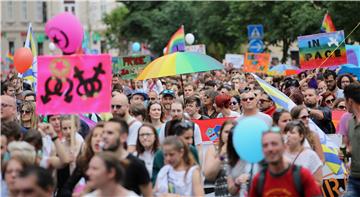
column 168, row 177
column 307, row 158
column 232, row 114
column 134, row 126
column 96, row 193
column 197, row 134
column 266, row 118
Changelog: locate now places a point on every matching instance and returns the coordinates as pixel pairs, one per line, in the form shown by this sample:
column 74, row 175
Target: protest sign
column 210, row 129
column 73, row 84
column 199, row 48
column 236, row 60
column 322, row 50
column 130, row 66
column 257, row 62
column 333, row 187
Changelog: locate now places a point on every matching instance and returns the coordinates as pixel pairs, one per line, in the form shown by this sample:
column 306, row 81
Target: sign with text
column 130, row 66
column 333, row 187
column 257, row 62
column 73, row 84
column 236, row 60
column 210, row 129
column 199, row 48
column 322, row 50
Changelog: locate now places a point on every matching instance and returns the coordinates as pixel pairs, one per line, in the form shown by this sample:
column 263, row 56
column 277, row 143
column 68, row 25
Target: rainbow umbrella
column 179, row 63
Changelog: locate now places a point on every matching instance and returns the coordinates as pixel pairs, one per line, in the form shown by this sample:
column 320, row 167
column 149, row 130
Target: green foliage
column 222, row 25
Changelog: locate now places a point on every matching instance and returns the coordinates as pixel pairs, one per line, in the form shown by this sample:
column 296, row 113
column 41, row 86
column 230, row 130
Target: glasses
column 146, row 134
column 248, row 99
column 329, row 101
column 116, row 106
column 304, row 117
column 25, row 111
column 233, row 103
column 263, row 100
column 342, row 107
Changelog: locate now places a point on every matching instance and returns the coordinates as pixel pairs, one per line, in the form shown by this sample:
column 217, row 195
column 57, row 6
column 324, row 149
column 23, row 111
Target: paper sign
column 322, row 50
column 73, row 84
column 236, row 60
column 130, row 66
column 199, row 48
column 257, row 62
column 210, row 129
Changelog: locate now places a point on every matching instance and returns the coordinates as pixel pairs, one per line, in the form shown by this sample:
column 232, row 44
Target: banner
column 322, row 50
column 257, row 62
column 353, row 54
column 199, row 48
column 130, row 66
column 73, row 84
column 210, row 129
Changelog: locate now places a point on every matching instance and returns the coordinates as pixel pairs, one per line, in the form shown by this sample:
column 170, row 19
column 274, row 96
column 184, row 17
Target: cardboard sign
column 257, row 62
column 210, row 129
column 236, row 60
column 73, row 84
column 130, row 66
column 322, row 50
column 333, row 187
column 199, row 48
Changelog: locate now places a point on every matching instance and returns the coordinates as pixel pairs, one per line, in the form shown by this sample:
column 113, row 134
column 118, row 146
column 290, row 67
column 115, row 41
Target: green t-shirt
column 159, row 161
column 354, row 137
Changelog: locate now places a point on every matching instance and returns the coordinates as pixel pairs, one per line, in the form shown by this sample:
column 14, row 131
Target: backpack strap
column 296, row 171
column 261, row 182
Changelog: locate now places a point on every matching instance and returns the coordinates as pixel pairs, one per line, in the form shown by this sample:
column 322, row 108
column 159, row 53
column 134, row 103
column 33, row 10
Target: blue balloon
column 136, row 47
column 247, row 139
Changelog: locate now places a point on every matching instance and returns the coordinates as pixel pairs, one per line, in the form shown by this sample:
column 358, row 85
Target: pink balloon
column 66, row 31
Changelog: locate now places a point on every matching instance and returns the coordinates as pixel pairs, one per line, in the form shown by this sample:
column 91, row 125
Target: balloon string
column 340, row 44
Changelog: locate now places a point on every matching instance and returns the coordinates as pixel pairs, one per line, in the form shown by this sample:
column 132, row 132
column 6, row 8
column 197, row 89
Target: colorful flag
column 327, row 24
column 30, row 75
column 210, row 128
column 9, row 58
column 330, row 149
column 177, row 42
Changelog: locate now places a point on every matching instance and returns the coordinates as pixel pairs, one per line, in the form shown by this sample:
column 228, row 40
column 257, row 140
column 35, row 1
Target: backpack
column 296, row 178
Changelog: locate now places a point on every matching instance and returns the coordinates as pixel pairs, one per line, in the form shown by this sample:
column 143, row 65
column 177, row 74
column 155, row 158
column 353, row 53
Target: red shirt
column 270, row 111
column 284, row 185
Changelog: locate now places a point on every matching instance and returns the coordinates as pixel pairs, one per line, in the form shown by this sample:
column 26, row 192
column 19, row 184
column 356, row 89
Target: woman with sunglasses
column 295, row 132
column 155, row 115
column 222, row 105
column 235, row 104
column 28, row 117
column 147, row 144
column 328, row 99
column 208, row 107
column 215, row 165
column 181, row 175
column 312, row 138
column 339, row 104
column 91, row 147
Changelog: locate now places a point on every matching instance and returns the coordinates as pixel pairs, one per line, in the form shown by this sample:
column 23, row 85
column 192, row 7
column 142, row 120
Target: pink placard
column 73, row 84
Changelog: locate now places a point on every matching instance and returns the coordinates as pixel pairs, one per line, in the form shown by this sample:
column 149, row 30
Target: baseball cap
column 140, row 92
column 168, row 92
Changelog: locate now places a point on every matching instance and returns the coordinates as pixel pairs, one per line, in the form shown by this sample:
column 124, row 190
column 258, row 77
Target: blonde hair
column 23, row 150
column 34, row 118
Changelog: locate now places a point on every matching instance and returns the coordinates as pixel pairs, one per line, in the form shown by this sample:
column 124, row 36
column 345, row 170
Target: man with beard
column 320, row 115
column 280, row 178
column 168, row 97
column 120, row 108
column 267, row 105
column 330, row 79
column 137, row 177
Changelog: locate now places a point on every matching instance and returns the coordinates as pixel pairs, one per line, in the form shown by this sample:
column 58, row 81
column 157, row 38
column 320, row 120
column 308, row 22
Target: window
column 40, row 47
column 10, row 11
column 44, row 12
column 69, row 6
column 39, row 11
column 24, row 11
column 12, row 47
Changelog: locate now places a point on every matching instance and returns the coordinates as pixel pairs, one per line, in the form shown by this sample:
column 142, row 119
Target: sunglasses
column 329, row 101
column 25, row 111
column 263, row 101
column 116, row 106
column 304, row 117
column 233, row 103
column 342, row 107
column 248, row 99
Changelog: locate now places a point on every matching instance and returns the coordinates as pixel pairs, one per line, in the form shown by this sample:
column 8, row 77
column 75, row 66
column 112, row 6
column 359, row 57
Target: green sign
column 130, row 66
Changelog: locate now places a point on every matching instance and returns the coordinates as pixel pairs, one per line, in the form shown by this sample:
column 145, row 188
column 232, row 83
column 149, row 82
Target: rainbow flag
column 9, row 58
column 330, row 149
column 177, row 42
column 30, row 75
column 327, row 24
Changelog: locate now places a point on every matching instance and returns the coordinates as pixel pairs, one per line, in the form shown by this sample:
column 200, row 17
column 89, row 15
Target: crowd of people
column 149, row 144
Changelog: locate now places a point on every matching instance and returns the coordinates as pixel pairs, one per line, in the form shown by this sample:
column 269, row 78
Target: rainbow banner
column 257, row 62
column 322, row 50
column 177, row 42
column 327, row 25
